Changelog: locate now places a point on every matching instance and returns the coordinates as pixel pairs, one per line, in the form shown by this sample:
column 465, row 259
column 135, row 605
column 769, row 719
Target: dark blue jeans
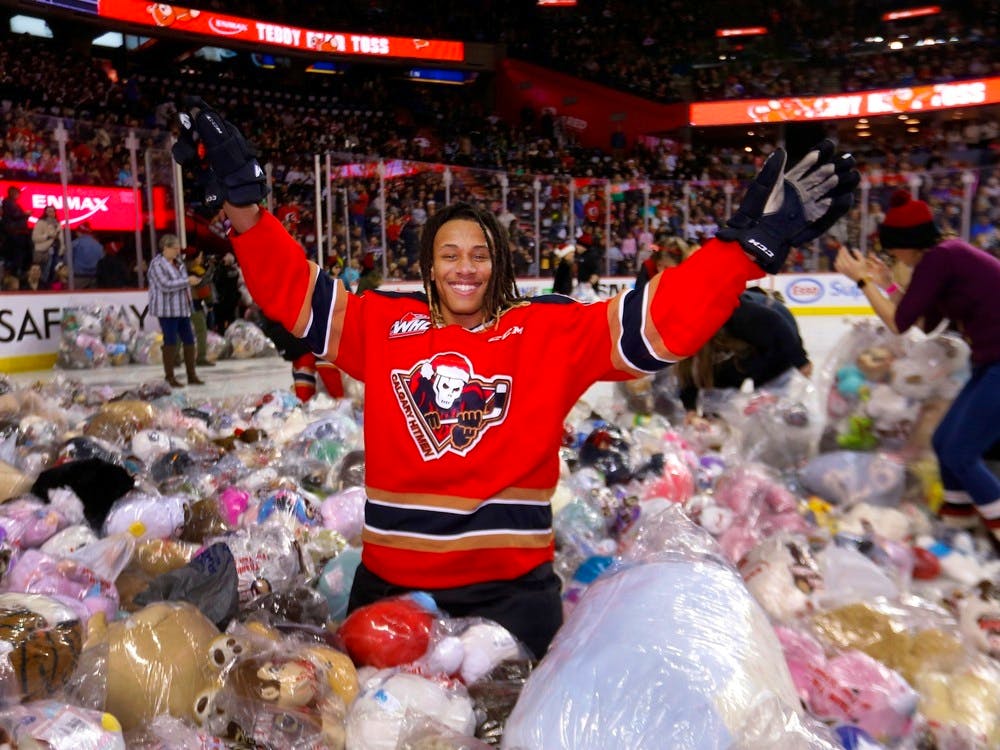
column 968, row 429
column 174, row 327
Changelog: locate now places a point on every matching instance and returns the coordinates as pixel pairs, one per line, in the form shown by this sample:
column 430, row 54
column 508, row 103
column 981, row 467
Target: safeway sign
column 105, row 208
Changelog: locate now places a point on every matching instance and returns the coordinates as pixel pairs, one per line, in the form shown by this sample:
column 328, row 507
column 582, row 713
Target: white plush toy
column 475, row 652
column 375, row 719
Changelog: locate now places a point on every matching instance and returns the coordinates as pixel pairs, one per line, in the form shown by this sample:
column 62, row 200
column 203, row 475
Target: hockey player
column 465, row 514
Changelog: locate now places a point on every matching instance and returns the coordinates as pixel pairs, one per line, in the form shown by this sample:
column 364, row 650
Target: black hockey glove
column 783, row 209
column 230, row 170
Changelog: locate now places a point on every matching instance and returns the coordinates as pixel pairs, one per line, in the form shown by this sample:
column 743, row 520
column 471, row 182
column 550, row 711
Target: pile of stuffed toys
column 111, row 336
column 768, row 573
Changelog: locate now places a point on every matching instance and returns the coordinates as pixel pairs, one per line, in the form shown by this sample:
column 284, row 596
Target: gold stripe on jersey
column 649, row 330
column 305, row 310
column 454, row 502
column 336, row 321
column 618, row 360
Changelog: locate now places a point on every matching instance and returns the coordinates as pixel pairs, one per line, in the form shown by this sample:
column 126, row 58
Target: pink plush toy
column 232, row 503
column 37, row 573
column 761, row 507
column 850, row 687
column 676, row 481
column 29, row 523
column 344, row 512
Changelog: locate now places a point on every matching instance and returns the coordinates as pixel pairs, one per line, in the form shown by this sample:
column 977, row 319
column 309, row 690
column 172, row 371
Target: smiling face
column 461, row 271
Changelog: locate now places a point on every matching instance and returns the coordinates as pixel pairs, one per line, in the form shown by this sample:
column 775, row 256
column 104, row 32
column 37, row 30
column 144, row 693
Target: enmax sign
column 105, row 208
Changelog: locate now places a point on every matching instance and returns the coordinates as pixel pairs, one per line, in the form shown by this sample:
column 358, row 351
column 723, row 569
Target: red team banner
column 107, row 209
column 912, row 100
column 222, row 27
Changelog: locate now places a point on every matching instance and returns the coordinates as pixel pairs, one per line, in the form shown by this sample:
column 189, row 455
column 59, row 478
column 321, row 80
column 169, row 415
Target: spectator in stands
column 87, row 252
column 10, row 282
column 564, row 279
column 17, row 250
column 371, row 275
column 202, row 294
column 60, row 277
column 656, row 262
column 954, row 280
column 33, row 279
column 227, row 283
column 352, row 272
column 111, row 271
column 45, row 237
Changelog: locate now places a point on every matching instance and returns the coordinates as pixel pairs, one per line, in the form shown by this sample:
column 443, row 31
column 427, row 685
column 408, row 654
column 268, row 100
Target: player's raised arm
column 276, row 272
column 682, row 307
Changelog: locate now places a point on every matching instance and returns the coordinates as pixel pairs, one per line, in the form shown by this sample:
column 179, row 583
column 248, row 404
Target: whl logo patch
column 410, row 324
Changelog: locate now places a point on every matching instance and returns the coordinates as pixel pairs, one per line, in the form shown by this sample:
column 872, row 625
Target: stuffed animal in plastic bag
column 389, row 632
column 148, row 348
column 783, row 576
column 52, row 725
column 215, row 347
column 336, row 580
column 246, row 341
column 118, row 421
column 148, row 516
column 910, row 649
column 702, row 658
column 375, row 719
column 281, row 701
column 71, row 581
column 267, row 559
column 156, row 661
column 344, row 512
column 761, row 507
column 849, row 477
column 962, row 707
column 80, row 345
column 43, row 641
column 979, row 618
column 849, row 687
column 471, row 649
column 29, row 523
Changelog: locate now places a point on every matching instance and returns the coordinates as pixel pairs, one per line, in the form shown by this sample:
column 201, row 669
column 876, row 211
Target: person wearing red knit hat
column 956, row 281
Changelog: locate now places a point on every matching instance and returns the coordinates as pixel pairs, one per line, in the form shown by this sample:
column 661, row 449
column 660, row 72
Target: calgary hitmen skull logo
column 447, row 406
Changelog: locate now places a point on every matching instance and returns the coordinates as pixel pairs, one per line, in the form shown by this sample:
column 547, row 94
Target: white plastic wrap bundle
column 669, row 652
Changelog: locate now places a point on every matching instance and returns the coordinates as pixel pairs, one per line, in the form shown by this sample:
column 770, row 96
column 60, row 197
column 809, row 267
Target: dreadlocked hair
column 501, row 290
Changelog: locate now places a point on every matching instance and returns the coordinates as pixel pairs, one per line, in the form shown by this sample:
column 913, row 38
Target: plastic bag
column 701, row 656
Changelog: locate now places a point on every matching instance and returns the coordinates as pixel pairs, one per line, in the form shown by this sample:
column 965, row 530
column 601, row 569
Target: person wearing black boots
column 170, row 301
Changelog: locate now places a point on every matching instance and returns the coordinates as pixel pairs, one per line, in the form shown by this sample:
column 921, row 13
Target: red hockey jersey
column 462, row 428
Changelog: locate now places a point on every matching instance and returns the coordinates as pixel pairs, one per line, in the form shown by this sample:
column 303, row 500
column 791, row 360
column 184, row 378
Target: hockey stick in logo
column 498, row 398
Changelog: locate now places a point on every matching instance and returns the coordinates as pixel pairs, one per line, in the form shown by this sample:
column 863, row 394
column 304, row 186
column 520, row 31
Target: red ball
column 926, row 566
column 386, row 633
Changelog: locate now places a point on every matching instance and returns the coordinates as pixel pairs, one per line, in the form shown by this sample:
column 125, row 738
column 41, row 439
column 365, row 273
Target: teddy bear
column 117, row 422
column 909, row 651
column 155, row 661
column 276, row 689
